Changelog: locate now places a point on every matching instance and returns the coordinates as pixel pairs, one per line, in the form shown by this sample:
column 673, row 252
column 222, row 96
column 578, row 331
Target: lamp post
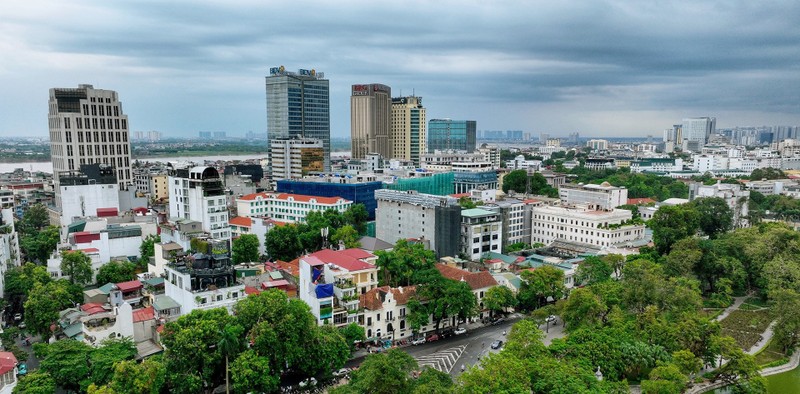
column 324, row 233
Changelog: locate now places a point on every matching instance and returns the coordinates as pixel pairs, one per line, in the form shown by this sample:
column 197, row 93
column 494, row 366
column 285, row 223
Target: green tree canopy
column 671, row 223
column 37, row 382
column 715, row 216
column 498, row 298
column 77, row 266
column 38, row 246
column 251, row 373
column 116, row 272
column 282, row 243
column 348, row 235
column 45, row 301
column 539, row 285
column 67, row 361
column 245, row 249
column 405, row 265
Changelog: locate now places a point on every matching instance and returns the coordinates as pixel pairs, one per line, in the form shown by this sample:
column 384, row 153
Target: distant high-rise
column 298, row 106
column 409, row 133
column 293, row 158
column 698, row 129
column 87, row 126
column 448, row 134
column 370, row 113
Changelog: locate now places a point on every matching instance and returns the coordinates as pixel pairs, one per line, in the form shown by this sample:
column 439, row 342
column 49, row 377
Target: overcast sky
column 601, row 68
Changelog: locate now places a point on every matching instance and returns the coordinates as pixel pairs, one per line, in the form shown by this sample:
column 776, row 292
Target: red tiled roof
column 90, row 250
column 274, row 283
column 341, row 259
column 7, row 362
column 357, row 253
column 92, row 308
column 476, row 280
column 638, row 201
column 459, row 195
column 250, row 290
column 373, row 299
column 143, row 314
column 129, row 286
column 292, row 267
column 240, row 221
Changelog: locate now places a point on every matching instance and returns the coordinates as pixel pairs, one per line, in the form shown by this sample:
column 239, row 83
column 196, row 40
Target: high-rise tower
column 87, row 126
column 370, row 112
column 698, row 129
column 448, row 134
column 298, row 106
column 408, row 128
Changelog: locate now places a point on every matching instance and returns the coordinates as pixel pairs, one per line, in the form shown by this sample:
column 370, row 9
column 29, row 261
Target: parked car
column 341, row 373
column 460, row 330
column 498, row 321
column 17, row 316
column 497, row 344
column 432, row 338
column 447, row 333
column 22, row 369
column 550, row 319
column 418, row 341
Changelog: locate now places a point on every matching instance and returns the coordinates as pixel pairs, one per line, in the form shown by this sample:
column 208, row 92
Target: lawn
column 746, row 326
column 771, row 355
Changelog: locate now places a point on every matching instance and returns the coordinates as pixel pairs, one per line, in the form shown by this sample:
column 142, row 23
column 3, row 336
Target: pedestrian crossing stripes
column 443, row 360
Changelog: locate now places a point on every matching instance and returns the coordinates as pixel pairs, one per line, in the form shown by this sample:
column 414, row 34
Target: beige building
column 158, row 187
column 87, row 126
column 370, row 112
column 409, row 130
column 292, row 158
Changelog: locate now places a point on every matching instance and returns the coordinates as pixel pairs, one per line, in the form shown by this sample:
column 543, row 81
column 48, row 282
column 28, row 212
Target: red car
column 432, row 337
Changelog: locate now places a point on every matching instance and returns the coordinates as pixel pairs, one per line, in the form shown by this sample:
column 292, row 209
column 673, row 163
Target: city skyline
column 603, row 68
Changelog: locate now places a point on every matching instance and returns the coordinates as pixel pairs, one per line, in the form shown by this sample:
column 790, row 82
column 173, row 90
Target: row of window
column 95, row 123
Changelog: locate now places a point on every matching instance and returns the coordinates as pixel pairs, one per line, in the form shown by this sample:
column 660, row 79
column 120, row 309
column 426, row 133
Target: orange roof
column 7, row 362
column 639, row 201
column 240, row 221
column 92, row 308
column 143, row 314
column 357, row 253
column 250, row 290
column 339, row 258
column 292, row 267
column 373, row 299
column 476, row 280
column 459, row 195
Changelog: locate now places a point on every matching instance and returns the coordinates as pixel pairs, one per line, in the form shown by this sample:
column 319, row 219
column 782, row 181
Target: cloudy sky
column 602, row 68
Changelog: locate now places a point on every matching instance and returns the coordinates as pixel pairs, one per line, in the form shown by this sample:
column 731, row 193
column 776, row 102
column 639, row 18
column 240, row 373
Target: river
column 48, row 166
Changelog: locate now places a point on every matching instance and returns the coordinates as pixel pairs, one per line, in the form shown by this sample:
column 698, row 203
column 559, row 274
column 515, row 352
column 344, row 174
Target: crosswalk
column 443, row 360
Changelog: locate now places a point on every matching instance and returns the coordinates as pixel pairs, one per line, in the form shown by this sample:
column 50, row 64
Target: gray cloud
column 538, row 66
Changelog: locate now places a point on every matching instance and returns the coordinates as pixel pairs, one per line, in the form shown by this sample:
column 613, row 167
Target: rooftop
column 476, row 213
column 338, row 258
column 7, row 362
column 476, row 280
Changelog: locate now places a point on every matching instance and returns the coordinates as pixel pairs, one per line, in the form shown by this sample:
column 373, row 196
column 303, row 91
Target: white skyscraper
column 196, row 193
column 698, row 129
column 87, row 126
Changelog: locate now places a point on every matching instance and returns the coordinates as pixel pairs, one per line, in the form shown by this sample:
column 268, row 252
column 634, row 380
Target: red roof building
column 7, row 362
column 143, row 314
column 127, row 287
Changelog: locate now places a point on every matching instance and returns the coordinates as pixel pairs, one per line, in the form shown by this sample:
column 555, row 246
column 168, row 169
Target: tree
column 715, row 216
column 498, row 373
column 683, row 257
column 192, row 358
column 20, row 280
column 147, row 377
column 148, row 249
column 245, row 249
column 77, row 266
column 116, row 272
column 347, row 235
column 671, row 223
column 787, row 324
column 593, row 270
column 406, row 264
column 432, row 381
column 38, row 246
column 38, row 382
column 230, row 345
column 384, row 373
column 441, row 298
column 67, row 361
column 687, row 362
column 498, row 298
column 515, row 180
column 282, row 243
column 352, row 333
column 357, row 217
column 583, row 309
column 111, row 352
column 45, row 302
column 539, row 285
column 34, row 219
column 466, row 203
column 251, row 373
column 664, row 379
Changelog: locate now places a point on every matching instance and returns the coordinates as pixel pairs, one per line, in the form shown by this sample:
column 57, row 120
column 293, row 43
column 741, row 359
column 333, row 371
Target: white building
column 385, row 311
column 597, row 145
column 736, row 198
column 332, row 280
column 404, row 215
column 87, row 126
column 197, row 193
column 581, row 225
column 657, row 165
column 113, row 241
column 698, row 129
column 9, row 245
column 600, row 197
column 293, row 158
column 443, row 160
column 481, row 232
column 520, row 163
column 91, row 191
column 285, row 207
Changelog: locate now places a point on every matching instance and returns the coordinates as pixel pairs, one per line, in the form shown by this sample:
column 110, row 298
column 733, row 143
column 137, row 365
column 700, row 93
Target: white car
column 418, row 341
column 551, row 319
column 460, row 330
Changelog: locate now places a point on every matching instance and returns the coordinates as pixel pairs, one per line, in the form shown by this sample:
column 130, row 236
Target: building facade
column 298, row 105
column 197, row 193
column 601, row 197
column 288, row 208
column 404, row 215
column 409, row 131
column 448, row 134
column 468, row 176
column 370, row 120
column 481, row 233
column 87, row 192
column 294, row 158
column 585, row 226
column 698, row 129
column 87, row 126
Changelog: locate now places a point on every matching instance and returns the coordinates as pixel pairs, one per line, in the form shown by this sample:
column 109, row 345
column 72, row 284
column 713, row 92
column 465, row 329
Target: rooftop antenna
column 414, row 92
